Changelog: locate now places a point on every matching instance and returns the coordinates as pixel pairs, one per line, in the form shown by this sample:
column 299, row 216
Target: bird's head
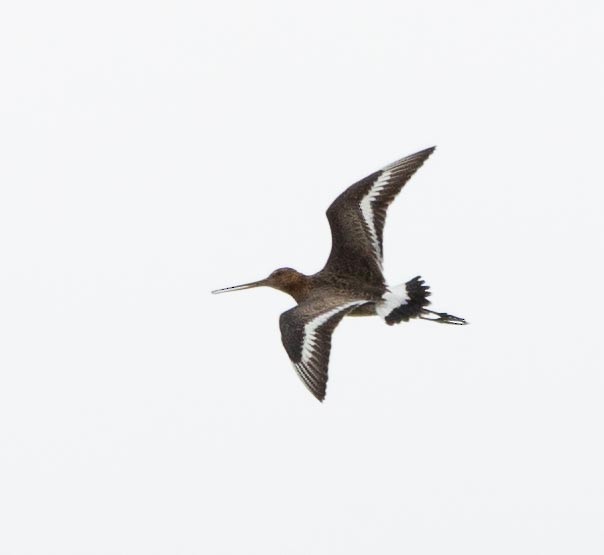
column 287, row 280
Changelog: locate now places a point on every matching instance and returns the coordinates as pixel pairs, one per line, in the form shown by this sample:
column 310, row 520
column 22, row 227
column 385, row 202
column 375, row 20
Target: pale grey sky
column 152, row 152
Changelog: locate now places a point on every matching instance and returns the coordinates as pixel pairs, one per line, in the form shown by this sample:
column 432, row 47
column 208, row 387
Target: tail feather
column 404, row 302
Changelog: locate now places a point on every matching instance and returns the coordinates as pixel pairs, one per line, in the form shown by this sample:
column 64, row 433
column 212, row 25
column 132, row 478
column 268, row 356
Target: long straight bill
column 239, row 287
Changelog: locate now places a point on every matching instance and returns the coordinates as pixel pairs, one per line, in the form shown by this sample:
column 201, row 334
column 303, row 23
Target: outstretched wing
column 306, row 335
column 358, row 215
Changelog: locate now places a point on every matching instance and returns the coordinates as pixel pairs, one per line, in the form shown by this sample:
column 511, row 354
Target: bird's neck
column 299, row 287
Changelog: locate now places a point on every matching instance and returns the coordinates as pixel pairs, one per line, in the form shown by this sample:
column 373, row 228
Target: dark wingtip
column 427, row 151
column 413, row 162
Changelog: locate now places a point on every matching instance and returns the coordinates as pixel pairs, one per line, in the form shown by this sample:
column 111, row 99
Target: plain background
column 153, row 151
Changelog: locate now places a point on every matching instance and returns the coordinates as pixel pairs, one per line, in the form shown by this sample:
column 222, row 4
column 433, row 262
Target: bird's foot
column 442, row 318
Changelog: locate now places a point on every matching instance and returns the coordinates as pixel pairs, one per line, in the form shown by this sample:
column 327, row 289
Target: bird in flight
column 352, row 282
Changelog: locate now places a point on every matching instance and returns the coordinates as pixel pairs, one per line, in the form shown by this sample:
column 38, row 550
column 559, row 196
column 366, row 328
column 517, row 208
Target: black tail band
column 417, row 293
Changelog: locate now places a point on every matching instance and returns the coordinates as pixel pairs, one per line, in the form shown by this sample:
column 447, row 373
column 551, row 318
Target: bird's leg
column 442, row 317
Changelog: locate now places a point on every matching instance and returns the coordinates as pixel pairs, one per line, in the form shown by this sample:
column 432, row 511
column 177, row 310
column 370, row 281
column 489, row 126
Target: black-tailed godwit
column 351, row 283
